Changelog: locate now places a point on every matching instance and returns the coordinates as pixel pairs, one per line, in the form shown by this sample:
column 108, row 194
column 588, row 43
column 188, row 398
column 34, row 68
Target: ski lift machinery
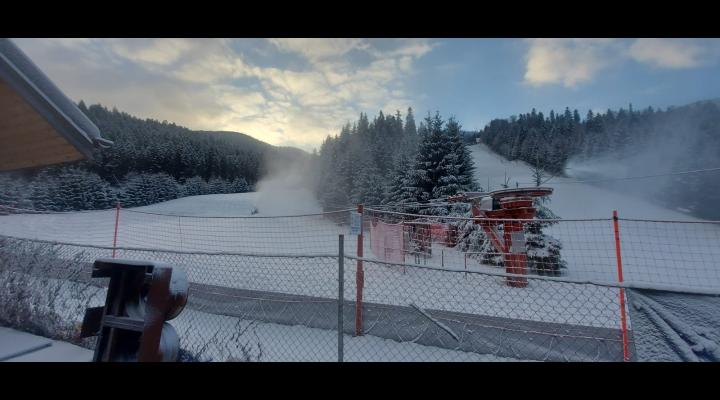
column 507, row 208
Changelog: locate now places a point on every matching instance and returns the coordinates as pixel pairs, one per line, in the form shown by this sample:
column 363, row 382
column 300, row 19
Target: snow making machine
column 508, row 210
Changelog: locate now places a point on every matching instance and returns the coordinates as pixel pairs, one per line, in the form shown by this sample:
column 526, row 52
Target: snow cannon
column 141, row 296
column 509, row 209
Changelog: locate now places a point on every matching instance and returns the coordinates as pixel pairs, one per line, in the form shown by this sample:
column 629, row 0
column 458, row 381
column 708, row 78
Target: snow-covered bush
column 44, row 294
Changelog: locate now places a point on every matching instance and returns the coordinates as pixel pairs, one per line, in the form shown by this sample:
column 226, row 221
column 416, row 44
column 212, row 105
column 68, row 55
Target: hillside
column 153, row 146
column 614, row 145
column 569, row 200
column 150, row 162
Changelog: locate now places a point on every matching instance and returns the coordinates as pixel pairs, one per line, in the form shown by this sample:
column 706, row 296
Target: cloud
column 318, row 49
column 668, row 53
column 569, row 62
column 208, row 84
column 153, row 51
column 572, row 62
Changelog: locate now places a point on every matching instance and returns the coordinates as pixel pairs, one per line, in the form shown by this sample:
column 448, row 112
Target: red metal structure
column 507, row 208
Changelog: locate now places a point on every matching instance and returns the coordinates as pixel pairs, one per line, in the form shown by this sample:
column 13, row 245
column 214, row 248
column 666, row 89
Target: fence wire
column 432, row 288
column 475, row 315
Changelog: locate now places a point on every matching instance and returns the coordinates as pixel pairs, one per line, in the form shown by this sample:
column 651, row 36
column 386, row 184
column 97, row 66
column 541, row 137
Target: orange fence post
column 359, row 277
column 117, row 219
column 623, row 320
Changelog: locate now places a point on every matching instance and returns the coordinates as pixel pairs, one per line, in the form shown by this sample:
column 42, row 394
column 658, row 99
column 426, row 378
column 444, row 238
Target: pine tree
column 443, row 165
column 427, row 168
column 195, row 186
column 238, row 185
column 43, row 192
column 410, row 135
column 368, row 188
column 217, row 185
column 397, row 186
column 13, row 193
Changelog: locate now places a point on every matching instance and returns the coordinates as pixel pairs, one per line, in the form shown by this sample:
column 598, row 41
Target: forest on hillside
column 645, row 142
column 150, row 162
column 391, row 163
column 390, row 159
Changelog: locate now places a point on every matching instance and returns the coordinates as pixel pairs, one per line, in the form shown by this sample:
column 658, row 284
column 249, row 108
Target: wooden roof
column 39, row 125
column 26, row 138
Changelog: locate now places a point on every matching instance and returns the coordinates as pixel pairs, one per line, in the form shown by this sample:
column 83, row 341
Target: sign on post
column 355, row 223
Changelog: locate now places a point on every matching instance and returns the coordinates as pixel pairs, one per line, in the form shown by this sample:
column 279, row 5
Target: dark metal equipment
column 141, row 296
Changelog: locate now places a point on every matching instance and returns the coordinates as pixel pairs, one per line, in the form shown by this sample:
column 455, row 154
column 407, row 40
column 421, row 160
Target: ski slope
column 676, row 256
column 159, row 226
column 141, row 227
column 569, row 200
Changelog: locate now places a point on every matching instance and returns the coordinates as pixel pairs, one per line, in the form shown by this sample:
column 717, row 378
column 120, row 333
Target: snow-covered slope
column 155, row 226
column 569, row 200
column 261, row 204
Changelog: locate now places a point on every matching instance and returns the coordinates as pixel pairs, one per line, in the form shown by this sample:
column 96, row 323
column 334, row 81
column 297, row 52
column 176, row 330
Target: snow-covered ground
column 681, row 255
column 219, row 337
column 569, row 200
column 238, row 227
column 17, row 346
column 452, row 291
column 275, row 342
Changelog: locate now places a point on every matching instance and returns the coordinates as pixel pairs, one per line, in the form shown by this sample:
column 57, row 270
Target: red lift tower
column 509, row 208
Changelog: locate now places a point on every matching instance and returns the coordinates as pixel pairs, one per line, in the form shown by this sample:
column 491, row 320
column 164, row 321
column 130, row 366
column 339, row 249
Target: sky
column 295, row 92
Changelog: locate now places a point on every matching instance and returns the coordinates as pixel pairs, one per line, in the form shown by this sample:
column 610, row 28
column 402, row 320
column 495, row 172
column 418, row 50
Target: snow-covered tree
column 443, row 165
column 217, row 185
column 44, row 190
column 81, row 190
column 144, row 189
column 195, row 186
column 238, row 185
column 397, row 190
column 13, row 192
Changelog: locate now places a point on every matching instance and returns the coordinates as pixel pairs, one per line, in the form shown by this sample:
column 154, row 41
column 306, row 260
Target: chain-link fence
column 240, row 306
column 269, row 289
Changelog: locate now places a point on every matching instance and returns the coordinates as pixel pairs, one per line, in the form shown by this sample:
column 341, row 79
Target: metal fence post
column 341, row 292
column 359, row 276
column 623, row 318
column 180, row 232
column 117, row 219
column 465, row 265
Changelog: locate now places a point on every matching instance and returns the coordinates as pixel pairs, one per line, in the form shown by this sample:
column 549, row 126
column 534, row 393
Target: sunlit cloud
column 298, row 91
column 566, row 61
column 207, row 84
column 317, row 49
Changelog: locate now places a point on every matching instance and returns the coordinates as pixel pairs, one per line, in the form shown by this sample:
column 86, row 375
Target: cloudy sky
column 297, row 91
